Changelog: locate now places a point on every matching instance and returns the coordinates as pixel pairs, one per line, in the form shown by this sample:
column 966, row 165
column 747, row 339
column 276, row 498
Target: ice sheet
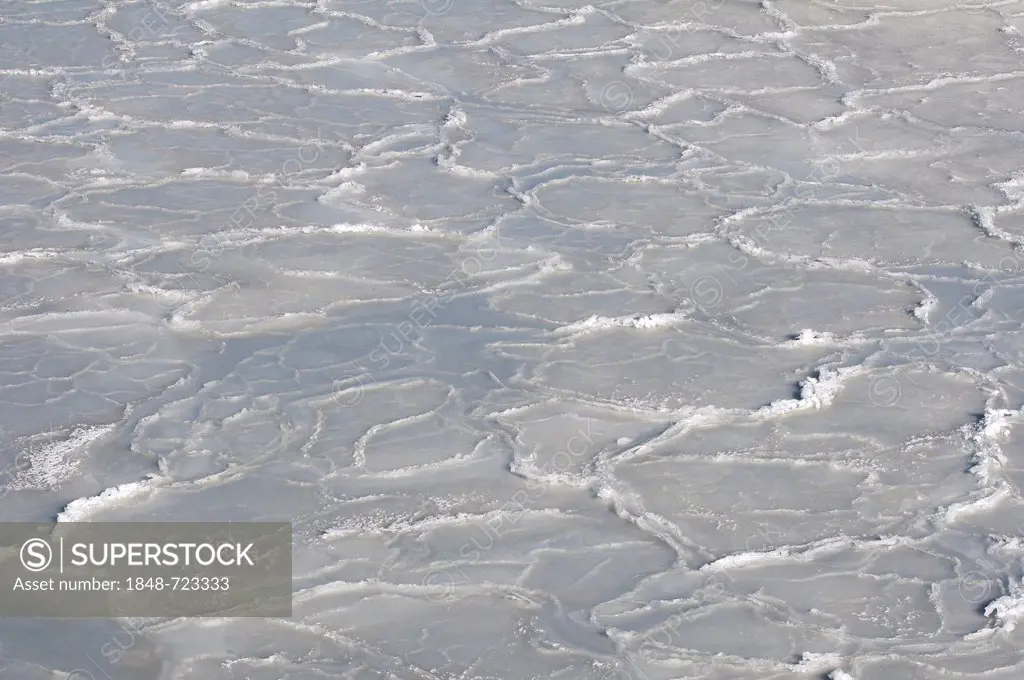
column 633, row 340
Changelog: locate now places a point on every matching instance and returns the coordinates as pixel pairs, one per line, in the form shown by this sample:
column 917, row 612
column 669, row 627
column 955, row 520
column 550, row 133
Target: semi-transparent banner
column 120, row 569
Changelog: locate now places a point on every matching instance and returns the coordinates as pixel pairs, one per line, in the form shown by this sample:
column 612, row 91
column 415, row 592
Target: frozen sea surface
column 635, row 340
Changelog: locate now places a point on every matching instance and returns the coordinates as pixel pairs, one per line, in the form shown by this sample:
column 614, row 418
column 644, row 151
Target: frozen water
column 634, row 340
